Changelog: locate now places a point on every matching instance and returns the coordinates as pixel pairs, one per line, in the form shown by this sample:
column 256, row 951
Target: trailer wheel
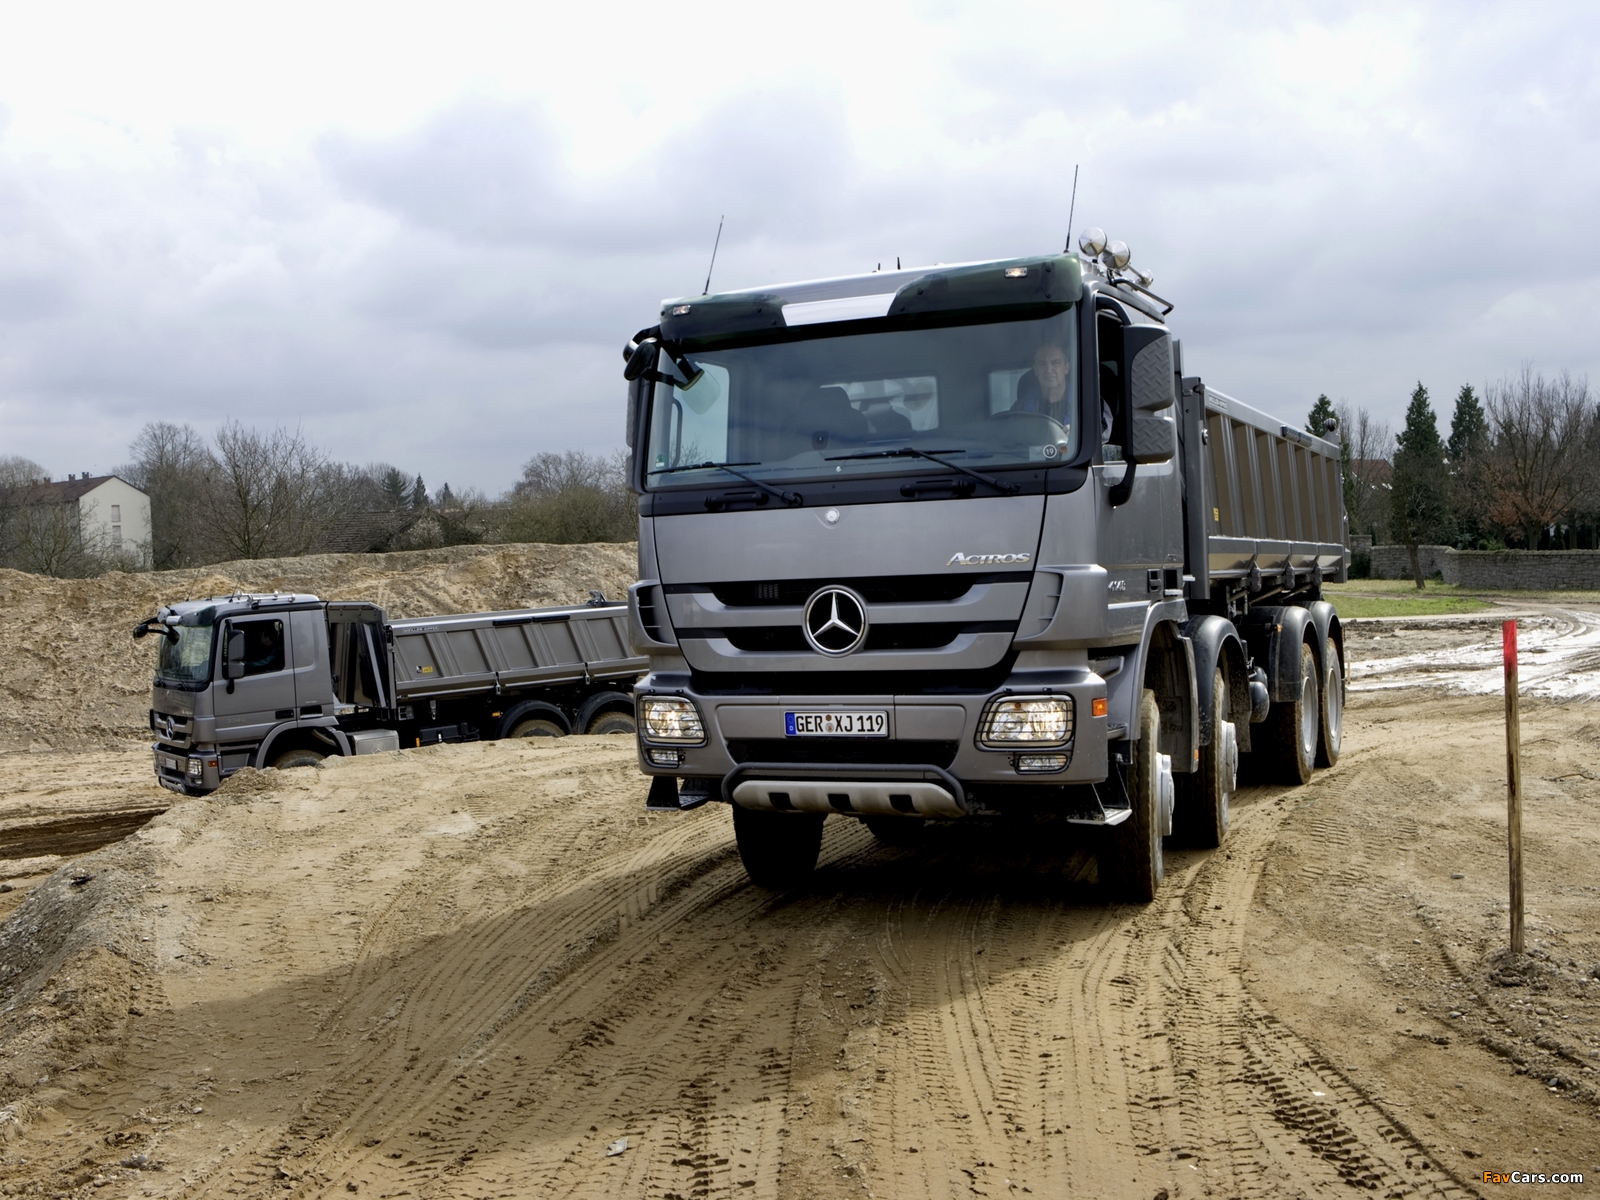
column 1133, row 850
column 778, row 849
column 896, row 831
column 298, row 758
column 1330, row 737
column 1291, row 727
column 613, row 722
column 537, row 727
column 1203, row 797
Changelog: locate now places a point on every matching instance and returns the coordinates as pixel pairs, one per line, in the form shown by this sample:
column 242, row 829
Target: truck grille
column 894, row 589
column 839, row 750
column 171, row 729
column 785, row 639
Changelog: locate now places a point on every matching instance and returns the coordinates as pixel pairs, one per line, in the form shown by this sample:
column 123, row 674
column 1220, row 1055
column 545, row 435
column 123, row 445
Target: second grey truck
column 283, row 680
column 965, row 540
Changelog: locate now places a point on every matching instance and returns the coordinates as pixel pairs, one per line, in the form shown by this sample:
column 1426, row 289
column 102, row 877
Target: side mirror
column 641, row 359
column 233, row 655
column 1147, row 366
column 1155, row 439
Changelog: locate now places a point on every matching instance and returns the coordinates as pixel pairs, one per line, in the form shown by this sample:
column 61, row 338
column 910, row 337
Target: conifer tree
column 1317, row 419
column 1419, row 509
column 1468, row 450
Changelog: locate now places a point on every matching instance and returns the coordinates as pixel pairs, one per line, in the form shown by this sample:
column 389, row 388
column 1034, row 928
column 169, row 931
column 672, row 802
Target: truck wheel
column 537, row 727
column 1202, row 815
column 1291, row 727
column 298, row 758
column 613, row 722
column 1133, row 850
column 778, row 849
column 896, row 831
column 1331, row 735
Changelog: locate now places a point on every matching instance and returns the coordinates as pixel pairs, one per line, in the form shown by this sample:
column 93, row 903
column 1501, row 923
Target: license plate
column 172, row 764
column 869, row 722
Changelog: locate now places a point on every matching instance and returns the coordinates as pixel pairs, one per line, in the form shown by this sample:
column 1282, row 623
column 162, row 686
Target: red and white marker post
column 1508, row 632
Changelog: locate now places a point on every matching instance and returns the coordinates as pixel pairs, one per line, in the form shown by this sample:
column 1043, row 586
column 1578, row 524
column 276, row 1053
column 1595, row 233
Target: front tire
column 1291, row 727
column 1330, row 737
column 1203, row 797
column 1133, row 853
column 778, row 849
column 290, row 759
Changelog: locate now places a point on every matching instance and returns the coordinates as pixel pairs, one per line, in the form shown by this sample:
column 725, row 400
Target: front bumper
column 176, row 769
column 746, row 735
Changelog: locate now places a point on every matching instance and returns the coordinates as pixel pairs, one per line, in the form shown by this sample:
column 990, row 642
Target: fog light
column 1033, row 720
column 670, row 719
column 1041, row 764
column 195, row 766
column 660, row 757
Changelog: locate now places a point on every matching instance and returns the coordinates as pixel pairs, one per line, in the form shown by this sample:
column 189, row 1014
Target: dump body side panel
column 1262, row 496
column 510, row 651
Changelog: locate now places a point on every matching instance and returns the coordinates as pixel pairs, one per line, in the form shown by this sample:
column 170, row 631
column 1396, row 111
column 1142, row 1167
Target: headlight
column 195, row 766
column 670, row 719
column 1026, row 721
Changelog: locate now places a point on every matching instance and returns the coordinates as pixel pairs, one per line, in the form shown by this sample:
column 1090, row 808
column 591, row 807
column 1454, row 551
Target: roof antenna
column 896, row 262
column 1074, row 208
column 713, row 265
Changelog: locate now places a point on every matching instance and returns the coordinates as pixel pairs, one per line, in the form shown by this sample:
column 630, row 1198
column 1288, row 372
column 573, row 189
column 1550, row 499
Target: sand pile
column 75, row 679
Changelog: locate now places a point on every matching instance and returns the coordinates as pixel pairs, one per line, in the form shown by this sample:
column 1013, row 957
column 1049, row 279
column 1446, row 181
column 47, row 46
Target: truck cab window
column 263, row 646
column 855, row 404
column 1112, row 404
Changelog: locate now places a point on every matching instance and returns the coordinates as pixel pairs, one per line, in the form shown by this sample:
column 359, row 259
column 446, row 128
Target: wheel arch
column 290, row 736
column 1169, row 672
column 1217, row 644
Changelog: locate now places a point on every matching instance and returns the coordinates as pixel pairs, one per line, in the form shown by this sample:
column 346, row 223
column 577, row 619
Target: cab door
column 1140, row 539
column 256, row 655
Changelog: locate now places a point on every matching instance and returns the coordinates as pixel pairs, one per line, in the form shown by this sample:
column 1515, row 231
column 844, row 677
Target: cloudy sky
column 423, row 232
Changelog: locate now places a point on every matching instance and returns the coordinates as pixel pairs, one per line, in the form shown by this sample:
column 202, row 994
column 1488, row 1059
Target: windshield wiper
column 786, row 497
column 1004, row 488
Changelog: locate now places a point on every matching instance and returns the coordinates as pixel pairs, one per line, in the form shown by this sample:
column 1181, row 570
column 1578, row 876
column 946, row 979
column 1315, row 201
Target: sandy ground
column 75, row 678
column 472, row 971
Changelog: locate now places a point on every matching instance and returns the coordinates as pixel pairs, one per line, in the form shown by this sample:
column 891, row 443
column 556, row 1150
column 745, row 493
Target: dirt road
column 468, row 971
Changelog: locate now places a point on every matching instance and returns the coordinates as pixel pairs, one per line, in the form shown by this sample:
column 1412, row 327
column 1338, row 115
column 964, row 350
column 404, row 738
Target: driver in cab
column 1044, row 389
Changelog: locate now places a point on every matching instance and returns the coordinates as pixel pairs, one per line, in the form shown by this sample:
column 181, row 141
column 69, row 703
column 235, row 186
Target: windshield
column 187, row 660
column 985, row 396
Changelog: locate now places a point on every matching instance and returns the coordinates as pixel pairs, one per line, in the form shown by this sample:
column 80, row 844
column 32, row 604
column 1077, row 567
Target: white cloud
column 424, row 233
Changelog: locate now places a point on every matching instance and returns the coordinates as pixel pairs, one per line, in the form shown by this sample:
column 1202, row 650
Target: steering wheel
column 1054, row 425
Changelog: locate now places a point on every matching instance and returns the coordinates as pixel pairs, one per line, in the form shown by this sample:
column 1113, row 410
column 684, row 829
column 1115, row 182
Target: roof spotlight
column 1144, row 277
column 1092, row 241
column 1117, row 254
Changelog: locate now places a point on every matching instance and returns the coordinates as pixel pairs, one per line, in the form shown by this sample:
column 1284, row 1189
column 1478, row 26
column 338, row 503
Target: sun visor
column 1020, row 284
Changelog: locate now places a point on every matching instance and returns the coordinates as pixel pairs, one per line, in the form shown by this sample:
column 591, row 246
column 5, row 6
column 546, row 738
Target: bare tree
column 174, row 467
column 1540, row 467
column 1370, row 470
column 546, row 474
column 268, row 497
column 571, row 497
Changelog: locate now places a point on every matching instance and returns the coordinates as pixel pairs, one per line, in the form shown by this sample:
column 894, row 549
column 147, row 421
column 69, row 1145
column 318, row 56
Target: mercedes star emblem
column 835, row 621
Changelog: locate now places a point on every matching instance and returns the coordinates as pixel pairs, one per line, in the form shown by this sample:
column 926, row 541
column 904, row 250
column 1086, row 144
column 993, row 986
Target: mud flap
column 665, row 796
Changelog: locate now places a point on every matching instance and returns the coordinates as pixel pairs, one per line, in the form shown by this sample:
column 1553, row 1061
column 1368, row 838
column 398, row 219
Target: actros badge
column 835, row 621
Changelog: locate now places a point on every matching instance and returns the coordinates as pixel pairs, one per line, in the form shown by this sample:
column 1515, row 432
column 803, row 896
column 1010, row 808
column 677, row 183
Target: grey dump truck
column 287, row 680
column 966, row 540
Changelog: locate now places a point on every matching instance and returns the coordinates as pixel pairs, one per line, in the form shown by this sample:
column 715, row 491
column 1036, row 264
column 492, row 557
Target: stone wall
column 1537, row 570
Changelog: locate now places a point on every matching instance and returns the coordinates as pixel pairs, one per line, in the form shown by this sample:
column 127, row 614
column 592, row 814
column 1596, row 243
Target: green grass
column 1351, row 606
